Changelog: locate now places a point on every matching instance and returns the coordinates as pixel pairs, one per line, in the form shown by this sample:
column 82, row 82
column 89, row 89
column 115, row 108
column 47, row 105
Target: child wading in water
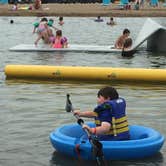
column 111, row 22
column 59, row 41
column 61, row 22
column 127, row 44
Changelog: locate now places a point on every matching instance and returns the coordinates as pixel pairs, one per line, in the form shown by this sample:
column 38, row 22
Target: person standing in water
column 59, row 41
column 61, row 22
column 111, row 22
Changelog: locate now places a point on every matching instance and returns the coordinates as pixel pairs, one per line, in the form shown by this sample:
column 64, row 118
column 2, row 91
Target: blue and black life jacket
column 113, row 112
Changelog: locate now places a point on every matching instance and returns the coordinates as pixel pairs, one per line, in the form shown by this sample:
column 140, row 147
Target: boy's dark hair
column 127, row 43
column 60, row 18
column 108, row 92
column 126, row 31
column 11, row 21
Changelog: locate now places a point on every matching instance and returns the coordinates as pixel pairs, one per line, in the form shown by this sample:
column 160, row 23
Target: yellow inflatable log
column 84, row 73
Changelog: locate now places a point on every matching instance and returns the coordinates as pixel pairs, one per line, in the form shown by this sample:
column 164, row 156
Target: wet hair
column 44, row 19
column 108, row 92
column 126, row 31
column 128, row 42
column 58, row 33
column 111, row 18
column 60, row 18
column 11, row 21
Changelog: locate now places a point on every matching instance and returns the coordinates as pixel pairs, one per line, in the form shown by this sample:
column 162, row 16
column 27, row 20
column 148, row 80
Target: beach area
column 84, row 10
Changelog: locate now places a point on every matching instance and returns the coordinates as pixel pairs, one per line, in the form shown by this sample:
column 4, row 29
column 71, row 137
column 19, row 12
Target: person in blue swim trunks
column 109, row 115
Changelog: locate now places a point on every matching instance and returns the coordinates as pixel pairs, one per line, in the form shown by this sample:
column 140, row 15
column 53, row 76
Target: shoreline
column 83, row 10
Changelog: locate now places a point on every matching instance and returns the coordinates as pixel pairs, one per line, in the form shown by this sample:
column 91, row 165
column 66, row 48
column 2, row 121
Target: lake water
column 29, row 111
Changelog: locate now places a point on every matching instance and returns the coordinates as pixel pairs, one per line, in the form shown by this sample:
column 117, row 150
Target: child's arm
column 34, row 30
column 55, row 28
column 37, row 40
column 88, row 114
column 105, row 127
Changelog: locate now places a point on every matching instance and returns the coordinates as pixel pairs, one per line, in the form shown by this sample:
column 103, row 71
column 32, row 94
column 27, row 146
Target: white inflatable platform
column 149, row 29
column 71, row 47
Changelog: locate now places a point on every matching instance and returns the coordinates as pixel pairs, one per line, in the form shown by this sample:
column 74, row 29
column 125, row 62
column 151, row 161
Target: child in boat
column 120, row 41
column 60, row 42
column 61, row 22
column 110, row 116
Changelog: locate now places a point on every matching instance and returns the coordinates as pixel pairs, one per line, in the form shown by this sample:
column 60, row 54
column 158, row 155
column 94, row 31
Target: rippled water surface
column 29, row 111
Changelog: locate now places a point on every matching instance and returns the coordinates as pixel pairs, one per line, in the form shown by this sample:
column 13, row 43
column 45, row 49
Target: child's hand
column 86, row 127
column 90, row 130
column 77, row 112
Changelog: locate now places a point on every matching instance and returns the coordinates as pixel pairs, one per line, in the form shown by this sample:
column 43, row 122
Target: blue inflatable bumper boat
column 144, row 142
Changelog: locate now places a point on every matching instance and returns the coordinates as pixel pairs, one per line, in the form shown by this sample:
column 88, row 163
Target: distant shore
column 83, row 10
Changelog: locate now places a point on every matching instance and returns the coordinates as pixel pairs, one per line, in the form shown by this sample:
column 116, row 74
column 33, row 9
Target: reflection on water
column 48, row 58
column 62, row 160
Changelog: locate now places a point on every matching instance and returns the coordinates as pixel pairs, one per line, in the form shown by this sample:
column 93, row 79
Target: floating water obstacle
column 42, row 72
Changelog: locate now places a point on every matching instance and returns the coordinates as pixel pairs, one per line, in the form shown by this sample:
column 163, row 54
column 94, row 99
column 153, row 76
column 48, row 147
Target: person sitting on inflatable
column 59, row 42
column 110, row 116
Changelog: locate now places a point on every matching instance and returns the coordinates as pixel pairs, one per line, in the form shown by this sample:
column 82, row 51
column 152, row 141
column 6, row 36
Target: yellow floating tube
column 43, row 72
